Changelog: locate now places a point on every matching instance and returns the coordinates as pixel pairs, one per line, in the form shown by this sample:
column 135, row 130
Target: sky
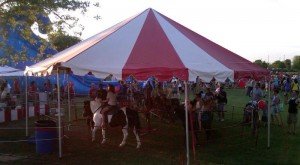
column 254, row 29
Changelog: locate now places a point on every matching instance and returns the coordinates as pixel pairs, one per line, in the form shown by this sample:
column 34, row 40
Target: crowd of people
column 174, row 89
column 288, row 86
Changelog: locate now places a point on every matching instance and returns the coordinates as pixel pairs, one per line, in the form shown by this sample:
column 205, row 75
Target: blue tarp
column 19, row 44
column 82, row 84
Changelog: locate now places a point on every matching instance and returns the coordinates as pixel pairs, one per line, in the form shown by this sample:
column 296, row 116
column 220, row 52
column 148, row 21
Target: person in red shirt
column 32, row 91
column 16, row 87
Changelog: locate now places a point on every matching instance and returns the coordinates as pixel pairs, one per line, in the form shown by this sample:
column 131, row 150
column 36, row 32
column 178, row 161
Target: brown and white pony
column 124, row 117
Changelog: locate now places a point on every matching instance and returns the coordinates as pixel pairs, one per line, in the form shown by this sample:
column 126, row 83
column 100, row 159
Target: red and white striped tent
column 151, row 44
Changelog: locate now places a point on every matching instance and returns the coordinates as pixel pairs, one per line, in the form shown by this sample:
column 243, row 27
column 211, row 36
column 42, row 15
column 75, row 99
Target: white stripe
column 42, row 109
column 31, row 111
column 198, row 62
column 46, row 65
column 14, row 114
column 110, row 55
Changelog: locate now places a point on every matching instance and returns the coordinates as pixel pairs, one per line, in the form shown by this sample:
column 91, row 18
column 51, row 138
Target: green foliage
column 296, row 63
column 278, row 64
column 22, row 14
column 261, row 63
column 288, row 64
column 62, row 41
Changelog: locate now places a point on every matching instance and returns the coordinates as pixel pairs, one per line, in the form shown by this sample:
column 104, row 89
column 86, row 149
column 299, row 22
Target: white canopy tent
column 6, row 71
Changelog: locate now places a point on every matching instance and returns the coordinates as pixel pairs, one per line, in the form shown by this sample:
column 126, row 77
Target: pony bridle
column 97, row 109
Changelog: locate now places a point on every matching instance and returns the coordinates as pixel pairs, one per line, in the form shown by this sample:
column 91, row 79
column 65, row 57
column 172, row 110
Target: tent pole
column 269, row 111
column 59, row 114
column 69, row 101
column 186, row 124
column 26, row 104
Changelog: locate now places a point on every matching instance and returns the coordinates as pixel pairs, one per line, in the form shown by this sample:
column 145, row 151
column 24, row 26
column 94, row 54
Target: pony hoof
column 103, row 141
column 122, row 144
column 138, row 146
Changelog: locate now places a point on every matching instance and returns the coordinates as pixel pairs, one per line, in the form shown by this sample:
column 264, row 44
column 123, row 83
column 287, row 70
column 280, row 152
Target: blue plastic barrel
column 45, row 136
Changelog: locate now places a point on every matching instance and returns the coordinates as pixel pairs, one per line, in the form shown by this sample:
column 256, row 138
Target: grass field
column 231, row 143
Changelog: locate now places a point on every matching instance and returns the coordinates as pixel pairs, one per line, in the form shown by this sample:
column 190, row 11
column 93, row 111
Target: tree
column 288, row 64
column 261, row 63
column 278, row 64
column 18, row 16
column 62, row 41
column 296, row 63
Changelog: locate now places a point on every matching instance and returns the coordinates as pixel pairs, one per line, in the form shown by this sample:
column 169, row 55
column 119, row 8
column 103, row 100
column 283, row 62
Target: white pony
column 124, row 117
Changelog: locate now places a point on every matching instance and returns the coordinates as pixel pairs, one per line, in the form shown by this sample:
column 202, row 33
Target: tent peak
column 150, row 9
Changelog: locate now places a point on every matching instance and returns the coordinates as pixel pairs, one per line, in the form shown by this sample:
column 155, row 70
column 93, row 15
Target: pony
column 124, row 117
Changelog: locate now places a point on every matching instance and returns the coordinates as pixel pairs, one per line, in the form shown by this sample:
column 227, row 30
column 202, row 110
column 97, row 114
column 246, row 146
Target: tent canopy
column 9, row 71
column 151, row 44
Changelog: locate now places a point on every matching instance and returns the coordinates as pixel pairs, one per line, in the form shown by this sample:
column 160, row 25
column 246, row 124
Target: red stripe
column 37, row 110
column 47, row 111
column 7, row 115
column 238, row 64
column 153, row 55
column 23, row 112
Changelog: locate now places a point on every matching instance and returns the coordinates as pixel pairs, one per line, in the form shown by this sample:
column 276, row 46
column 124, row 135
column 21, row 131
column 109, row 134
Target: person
column 130, row 91
column 276, row 82
column 16, row 87
column 276, row 106
column 287, row 88
column 198, row 105
column 249, row 87
column 3, row 92
column 102, row 92
column 295, row 86
column 111, row 100
column 155, row 92
column 207, row 108
column 256, row 94
column 47, row 86
column 292, row 113
column 175, row 90
column 32, row 91
column 123, row 88
column 93, row 91
column 221, row 96
column 180, row 88
column 54, row 92
column 197, row 79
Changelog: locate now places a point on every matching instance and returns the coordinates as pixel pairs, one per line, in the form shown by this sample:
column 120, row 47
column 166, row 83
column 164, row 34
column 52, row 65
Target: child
column 293, row 110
